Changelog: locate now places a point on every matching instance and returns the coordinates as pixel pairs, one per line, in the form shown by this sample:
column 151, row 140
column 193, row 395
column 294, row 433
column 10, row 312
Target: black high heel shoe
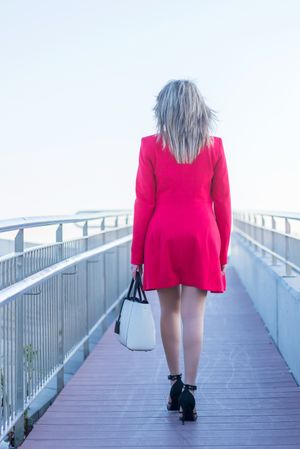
column 187, row 402
column 175, row 391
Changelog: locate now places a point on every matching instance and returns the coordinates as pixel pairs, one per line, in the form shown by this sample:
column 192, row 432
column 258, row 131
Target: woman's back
column 181, row 182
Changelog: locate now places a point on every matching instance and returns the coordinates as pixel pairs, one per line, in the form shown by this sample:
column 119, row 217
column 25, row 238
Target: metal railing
column 24, row 262
column 52, row 299
column 274, row 233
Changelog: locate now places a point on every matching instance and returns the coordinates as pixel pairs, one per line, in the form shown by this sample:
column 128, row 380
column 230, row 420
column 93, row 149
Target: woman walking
column 181, row 227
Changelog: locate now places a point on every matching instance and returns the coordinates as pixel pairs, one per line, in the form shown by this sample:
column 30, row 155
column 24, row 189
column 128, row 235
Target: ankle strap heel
column 187, row 404
column 190, row 387
column 174, row 376
column 175, row 391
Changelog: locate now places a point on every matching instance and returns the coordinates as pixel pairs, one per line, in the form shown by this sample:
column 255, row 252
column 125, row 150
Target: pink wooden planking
column 246, row 397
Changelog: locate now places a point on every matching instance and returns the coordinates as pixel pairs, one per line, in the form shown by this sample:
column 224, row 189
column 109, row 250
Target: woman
column 181, row 227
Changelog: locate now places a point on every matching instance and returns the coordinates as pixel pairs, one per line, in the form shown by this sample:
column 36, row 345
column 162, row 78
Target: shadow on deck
column 246, row 395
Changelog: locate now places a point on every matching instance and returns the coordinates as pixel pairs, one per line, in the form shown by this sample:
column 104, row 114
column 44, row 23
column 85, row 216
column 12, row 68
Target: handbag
column 135, row 326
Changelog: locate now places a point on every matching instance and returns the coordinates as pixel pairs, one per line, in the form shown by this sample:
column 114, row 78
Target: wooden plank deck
column 246, row 396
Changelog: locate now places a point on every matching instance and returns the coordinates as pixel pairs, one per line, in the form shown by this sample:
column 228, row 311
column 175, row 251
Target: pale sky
column 79, row 78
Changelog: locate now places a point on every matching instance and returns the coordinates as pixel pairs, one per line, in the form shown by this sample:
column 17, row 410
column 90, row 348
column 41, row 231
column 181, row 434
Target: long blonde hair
column 183, row 119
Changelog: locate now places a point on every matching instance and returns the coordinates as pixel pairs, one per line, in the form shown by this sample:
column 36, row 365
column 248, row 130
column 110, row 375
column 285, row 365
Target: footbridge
column 66, row 381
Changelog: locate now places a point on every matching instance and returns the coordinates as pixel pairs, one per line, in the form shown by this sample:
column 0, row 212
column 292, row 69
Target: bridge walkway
column 246, row 396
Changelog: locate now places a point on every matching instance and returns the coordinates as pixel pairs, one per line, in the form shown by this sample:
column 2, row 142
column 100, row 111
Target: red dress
column 182, row 217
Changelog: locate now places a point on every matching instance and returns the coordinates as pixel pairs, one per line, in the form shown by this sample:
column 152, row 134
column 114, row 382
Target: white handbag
column 135, row 324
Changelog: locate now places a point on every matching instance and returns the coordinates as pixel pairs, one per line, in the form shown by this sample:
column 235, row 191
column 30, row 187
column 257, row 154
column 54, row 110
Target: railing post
column 288, row 270
column 263, row 252
column 274, row 259
column 60, row 313
column 118, row 249
column 105, row 280
column 254, row 235
column 249, row 225
column 116, row 226
column 103, row 229
column 59, row 239
column 19, row 428
column 60, row 339
column 86, row 344
column 85, row 233
column 19, row 248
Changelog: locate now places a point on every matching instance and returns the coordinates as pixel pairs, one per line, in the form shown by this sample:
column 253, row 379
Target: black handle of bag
column 140, row 286
column 117, row 323
column 137, row 284
column 137, row 287
column 130, row 287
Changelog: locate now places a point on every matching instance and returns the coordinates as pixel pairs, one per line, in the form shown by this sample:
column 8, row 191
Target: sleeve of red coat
column 145, row 190
column 220, row 192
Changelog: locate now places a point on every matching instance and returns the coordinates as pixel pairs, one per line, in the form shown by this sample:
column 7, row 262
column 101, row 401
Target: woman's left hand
column 135, row 268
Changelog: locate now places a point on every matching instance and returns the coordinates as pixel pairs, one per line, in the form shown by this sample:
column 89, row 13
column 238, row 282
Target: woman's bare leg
column 170, row 326
column 192, row 314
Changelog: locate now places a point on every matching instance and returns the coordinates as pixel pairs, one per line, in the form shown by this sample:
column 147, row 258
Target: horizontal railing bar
column 105, row 211
column 289, row 215
column 9, row 293
column 39, row 221
column 265, row 228
column 12, row 255
column 265, row 248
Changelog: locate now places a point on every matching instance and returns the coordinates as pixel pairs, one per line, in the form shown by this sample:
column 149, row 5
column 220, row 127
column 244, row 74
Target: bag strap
column 136, row 284
column 130, row 287
column 140, row 286
column 117, row 323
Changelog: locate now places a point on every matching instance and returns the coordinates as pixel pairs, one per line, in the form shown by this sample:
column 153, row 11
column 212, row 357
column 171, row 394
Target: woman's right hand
column 135, row 268
column 223, row 268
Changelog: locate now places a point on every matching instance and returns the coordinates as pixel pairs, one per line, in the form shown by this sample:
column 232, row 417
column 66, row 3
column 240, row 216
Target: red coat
column 182, row 217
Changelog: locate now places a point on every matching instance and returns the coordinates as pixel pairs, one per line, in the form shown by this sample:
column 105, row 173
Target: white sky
column 78, row 81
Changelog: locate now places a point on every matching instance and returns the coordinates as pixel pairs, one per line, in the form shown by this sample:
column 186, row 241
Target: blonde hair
column 183, row 119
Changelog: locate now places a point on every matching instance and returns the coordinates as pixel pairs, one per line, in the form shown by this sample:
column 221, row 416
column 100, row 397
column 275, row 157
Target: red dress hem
column 192, row 284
